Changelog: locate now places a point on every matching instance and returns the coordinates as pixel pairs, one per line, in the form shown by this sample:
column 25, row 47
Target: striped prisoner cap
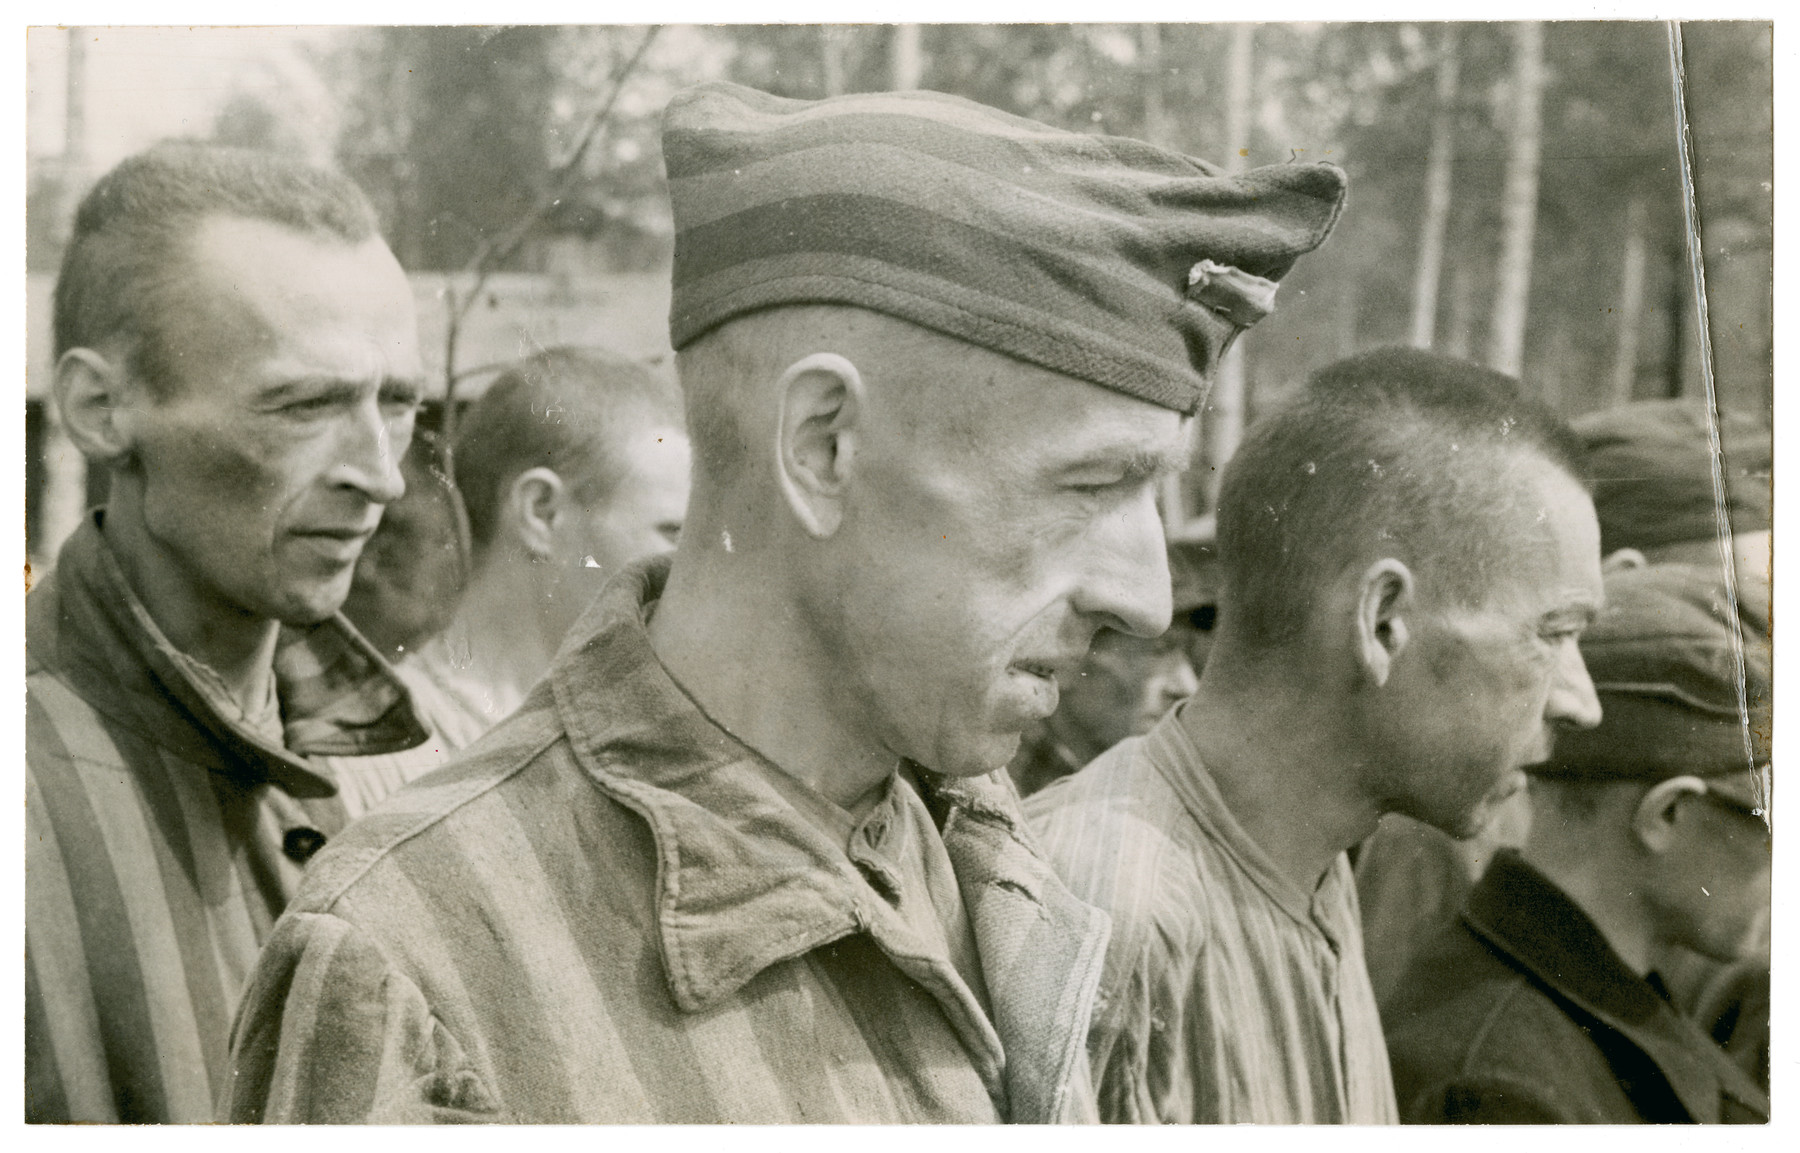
column 1098, row 257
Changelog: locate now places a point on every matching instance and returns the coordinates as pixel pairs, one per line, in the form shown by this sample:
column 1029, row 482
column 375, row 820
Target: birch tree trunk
column 1225, row 412
column 831, row 57
column 1518, row 211
column 906, row 59
column 1437, row 196
column 1459, row 341
column 1630, row 309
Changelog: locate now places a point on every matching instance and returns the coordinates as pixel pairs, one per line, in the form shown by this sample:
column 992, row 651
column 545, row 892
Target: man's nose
column 1181, row 681
column 1126, row 582
column 1573, row 701
column 370, row 450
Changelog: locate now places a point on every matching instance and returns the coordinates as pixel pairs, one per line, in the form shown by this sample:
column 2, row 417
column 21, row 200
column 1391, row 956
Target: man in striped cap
column 745, row 854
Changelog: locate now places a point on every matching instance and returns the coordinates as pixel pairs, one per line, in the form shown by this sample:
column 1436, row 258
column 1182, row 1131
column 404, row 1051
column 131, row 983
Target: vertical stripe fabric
column 604, row 911
column 1230, row 995
column 162, row 842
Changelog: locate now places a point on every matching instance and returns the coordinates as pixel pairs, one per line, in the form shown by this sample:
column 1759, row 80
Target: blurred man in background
column 1125, row 684
column 1648, row 834
column 743, row 854
column 1652, row 465
column 573, row 464
column 1408, row 558
column 237, row 344
column 409, row 575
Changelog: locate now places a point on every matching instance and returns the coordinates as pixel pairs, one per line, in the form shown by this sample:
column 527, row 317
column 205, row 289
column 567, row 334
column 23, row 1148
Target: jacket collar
column 1521, row 914
column 337, row 696
column 742, row 884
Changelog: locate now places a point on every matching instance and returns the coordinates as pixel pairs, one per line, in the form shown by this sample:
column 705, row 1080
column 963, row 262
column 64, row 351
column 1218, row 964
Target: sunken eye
column 1091, row 485
column 310, row 405
column 401, row 396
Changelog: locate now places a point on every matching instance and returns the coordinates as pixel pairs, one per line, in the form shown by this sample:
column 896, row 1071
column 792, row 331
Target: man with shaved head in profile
column 236, row 344
column 1408, row 559
column 746, row 853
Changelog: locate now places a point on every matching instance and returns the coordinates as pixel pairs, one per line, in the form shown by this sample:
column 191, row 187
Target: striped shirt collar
column 743, row 884
column 337, row 695
column 1199, row 793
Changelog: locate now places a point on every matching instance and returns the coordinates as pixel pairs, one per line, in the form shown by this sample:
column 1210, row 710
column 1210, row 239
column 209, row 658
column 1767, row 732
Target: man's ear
column 1385, row 597
column 823, row 401
column 1656, row 820
column 1622, row 560
column 534, row 505
column 91, row 391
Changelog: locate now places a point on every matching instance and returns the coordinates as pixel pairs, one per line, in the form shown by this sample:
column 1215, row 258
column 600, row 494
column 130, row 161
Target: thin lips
column 1048, row 669
column 356, row 533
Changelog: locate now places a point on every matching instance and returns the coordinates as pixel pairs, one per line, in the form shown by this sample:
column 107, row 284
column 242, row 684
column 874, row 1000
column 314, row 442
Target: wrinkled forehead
column 970, row 397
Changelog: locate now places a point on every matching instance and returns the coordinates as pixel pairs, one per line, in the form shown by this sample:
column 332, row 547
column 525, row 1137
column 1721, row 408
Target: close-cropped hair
column 1395, row 453
column 566, row 409
column 129, row 250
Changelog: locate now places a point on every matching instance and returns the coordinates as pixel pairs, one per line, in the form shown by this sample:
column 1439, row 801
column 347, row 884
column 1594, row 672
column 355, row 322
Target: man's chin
column 980, row 757
column 312, row 608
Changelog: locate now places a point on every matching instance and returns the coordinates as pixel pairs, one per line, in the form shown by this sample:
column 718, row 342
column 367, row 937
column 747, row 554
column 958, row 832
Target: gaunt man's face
column 266, row 463
column 996, row 525
column 1122, row 689
column 642, row 513
column 1482, row 691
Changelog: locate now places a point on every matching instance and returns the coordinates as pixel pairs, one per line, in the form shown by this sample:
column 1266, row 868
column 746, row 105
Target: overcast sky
column 144, row 84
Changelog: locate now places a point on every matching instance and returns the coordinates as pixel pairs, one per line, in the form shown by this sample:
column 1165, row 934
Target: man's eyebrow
column 1136, row 463
column 413, row 386
column 1580, row 610
column 332, row 387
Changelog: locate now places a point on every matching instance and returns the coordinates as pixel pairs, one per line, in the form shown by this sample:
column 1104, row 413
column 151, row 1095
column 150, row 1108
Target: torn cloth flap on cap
column 1069, row 251
column 1233, row 293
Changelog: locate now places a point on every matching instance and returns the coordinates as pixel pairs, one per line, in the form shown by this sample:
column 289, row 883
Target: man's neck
column 1579, row 866
column 735, row 645
column 504, row 633
column 238, row 647
column 1280, row 765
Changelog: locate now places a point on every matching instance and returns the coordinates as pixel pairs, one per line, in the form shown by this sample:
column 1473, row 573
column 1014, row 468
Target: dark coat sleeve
column 1484, row 1101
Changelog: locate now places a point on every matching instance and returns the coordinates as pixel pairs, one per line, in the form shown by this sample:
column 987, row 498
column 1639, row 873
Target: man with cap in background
column 743, row 855
column 1407, row 558
column 1652, row 464
column 1122, row 688
column 1652, row 467
column 1648, row 833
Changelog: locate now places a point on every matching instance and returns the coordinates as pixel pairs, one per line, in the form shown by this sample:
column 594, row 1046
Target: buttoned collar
column 743, row 884
column 337, row 696
column 1520, row 913
column 1177, row 760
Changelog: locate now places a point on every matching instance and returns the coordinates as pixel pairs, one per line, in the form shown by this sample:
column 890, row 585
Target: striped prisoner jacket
column 605, row 911
column 162, row 840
